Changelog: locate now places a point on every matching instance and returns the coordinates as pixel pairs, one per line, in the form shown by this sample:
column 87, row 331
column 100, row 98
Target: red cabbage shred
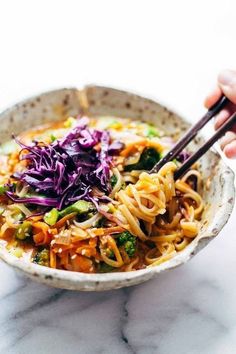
column 66, row 170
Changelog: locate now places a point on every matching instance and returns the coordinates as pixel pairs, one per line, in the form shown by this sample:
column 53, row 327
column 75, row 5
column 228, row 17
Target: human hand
column 226, row 86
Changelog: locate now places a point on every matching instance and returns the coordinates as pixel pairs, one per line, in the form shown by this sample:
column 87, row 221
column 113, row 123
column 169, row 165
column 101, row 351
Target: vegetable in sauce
column 113, row 180
column 51, row 217
column 148, row 159
column 3, row 189
column 42, row 258
column 24, row 231
column 80, row 207
column 128, row 241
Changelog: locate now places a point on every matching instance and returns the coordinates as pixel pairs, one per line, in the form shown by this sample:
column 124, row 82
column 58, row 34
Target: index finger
column 213, row 97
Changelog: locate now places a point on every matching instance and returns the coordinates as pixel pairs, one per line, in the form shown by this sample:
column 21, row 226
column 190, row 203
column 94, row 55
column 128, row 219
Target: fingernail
column 227, row 77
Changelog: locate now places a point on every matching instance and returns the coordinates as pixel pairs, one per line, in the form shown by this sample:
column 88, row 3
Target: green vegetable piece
column 113, row 180
column 130, row 248
column 70, row 122
column 148, row 159
column 53, row 138
column 80, row 207
column 175, row 161
column 42, row 258
column 24, row 231
column 101, row 222
column 128, row 241
column 51, row 217
column 19, row 217
column 151, row 132
column 109, row 253
column 3, row 189
column 105, row 268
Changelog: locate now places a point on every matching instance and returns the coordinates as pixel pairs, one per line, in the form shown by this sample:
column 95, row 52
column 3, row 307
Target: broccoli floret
column 105, row 268
column 128, row 241
column 42, row 257
column 148, row 159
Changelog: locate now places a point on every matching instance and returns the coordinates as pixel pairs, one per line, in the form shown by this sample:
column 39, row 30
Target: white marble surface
column 191, row 309
column 171, row 50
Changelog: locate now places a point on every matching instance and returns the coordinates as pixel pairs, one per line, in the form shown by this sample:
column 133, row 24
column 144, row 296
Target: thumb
column 227, row 83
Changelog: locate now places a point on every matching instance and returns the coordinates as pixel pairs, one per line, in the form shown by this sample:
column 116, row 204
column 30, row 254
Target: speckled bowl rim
column 107, row 281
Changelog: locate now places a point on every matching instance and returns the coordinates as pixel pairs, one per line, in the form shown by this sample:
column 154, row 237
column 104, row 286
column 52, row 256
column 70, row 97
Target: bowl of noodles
column 78, row 207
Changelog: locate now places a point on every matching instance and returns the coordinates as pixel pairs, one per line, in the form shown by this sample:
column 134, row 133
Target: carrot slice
column 113, row 230
column 39, row 238
column 53, row 259
column 132, row 146
column 41, row 226
column 62, row 221
column 82, row 264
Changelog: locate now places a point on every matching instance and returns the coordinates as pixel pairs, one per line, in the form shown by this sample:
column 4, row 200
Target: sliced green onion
column 24, row 231
column 51, row 217
column 80, row 207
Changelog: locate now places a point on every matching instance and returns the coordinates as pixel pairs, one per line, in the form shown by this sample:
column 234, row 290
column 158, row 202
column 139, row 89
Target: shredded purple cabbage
column 50, row 202
column 67, row 169
column 115, row 147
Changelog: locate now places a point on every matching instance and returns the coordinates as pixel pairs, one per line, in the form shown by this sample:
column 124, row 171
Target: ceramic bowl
column 218, row 192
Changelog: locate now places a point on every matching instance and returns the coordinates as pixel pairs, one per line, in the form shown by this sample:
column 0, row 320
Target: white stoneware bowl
column 94, row 100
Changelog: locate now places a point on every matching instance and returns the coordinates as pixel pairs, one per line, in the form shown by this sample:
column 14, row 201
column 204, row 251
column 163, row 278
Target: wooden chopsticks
column 191, row 133
column 202, row 150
